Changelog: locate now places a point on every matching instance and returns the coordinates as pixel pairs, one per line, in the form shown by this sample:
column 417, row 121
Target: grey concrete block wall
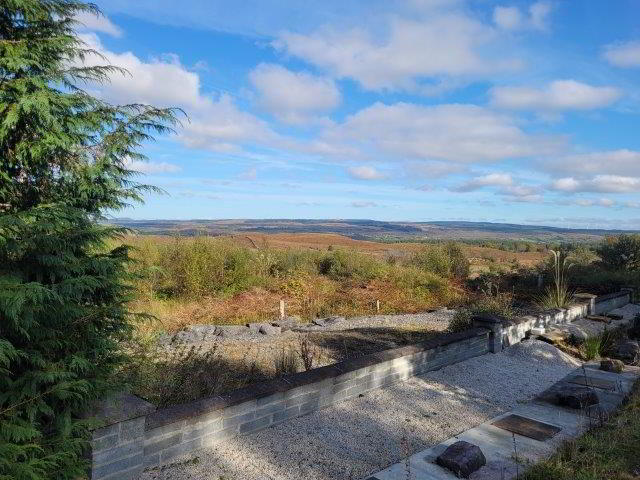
column 606, row 303
column 137, row 437
column 118, row 447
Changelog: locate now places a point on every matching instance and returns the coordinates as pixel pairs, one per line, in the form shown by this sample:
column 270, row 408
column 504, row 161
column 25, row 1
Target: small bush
column 621, row 252
column 446, row 260
column 591, row 349
column 500, row 305
column 286, row 363
column 350, row 265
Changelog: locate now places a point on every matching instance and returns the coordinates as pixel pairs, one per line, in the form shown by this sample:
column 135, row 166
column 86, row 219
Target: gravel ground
column 355, row 438
column 438, row 320
column 592, row 329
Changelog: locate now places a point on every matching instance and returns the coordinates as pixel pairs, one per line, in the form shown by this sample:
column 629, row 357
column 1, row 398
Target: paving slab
column 508, row 452
column 527, row 427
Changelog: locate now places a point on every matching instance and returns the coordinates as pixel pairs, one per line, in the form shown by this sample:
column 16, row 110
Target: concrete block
column 115, row 468
column 238, row 419
column 105, row 443
column 166, row 442
column 105, row 431
column 286, row 414
column 276, row 397
column 255, row 425
column 180, row 449
column 270, row 409
column 151, row 461
column 241, row 408
column 132, row 429
column 300, row 399
column 164, row 430
column 115, row 454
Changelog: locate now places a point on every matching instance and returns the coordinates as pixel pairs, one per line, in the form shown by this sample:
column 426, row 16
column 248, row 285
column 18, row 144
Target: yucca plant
column 558, row 295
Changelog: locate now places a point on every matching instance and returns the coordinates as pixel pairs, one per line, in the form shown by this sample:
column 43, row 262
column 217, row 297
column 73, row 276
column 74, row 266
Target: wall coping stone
column 120, row 408
column 176, row 413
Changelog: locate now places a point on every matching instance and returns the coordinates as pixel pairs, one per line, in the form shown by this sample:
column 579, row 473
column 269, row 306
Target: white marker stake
column 281, row 309
column 378, row 306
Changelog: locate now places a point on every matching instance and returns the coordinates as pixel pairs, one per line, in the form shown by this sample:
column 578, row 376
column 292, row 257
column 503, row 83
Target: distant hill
column 370, row 229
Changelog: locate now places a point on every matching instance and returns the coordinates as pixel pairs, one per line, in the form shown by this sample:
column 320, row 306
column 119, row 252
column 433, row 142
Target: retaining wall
column 137, row 436
column 606, row 303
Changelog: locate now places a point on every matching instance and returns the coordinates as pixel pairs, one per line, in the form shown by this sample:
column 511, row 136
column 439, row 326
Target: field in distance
column 372, row 229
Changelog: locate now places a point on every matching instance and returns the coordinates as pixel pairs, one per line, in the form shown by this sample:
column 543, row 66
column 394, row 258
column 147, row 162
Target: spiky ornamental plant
column 63, row 294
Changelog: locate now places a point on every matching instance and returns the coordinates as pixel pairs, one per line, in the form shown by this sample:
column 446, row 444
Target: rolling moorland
column 372, row 229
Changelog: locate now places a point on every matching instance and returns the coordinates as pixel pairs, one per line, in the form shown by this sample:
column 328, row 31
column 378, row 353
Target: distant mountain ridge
column 369, row 229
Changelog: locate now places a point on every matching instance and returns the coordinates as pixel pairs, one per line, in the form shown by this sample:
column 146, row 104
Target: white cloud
column 97, row 23
column 249, row 174
column 492, row 179
column 152, row 167
column 365, row 173
column 215, row 124
column 448, row 132
column 602, row 202
column 626, row 55
column 363, row 204
column 508, row 18
column 511, row 18
column 616, row 162
column 555, row 96
column 599, row 183
column 404, row 52
column 538, row 15
column 433, row 170
column 293, row 97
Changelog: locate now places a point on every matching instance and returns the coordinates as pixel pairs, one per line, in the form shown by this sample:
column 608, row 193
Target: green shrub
column 446, row 260
column 350, row 265
column 621, row 252
column 500, row 305
column 63, row 293
column 591, row 348
column 557, row 295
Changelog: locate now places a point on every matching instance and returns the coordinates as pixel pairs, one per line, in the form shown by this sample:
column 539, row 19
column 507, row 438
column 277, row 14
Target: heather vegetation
column 216, row 280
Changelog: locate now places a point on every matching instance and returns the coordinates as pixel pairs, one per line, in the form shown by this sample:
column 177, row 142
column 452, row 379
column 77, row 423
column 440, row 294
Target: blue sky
column 506, row 111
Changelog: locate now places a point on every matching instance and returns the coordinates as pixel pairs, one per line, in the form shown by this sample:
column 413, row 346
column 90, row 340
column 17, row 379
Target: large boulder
column 611, row 365
column 462, row 458
column 574, row 396
column 628, row 351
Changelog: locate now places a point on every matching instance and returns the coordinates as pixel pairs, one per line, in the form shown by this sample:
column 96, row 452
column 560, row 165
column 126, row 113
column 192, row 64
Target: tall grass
column 558, row 295
column 218, row 280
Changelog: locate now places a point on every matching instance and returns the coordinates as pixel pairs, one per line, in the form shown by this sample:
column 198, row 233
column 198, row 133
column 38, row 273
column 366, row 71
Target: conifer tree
column 63, row 292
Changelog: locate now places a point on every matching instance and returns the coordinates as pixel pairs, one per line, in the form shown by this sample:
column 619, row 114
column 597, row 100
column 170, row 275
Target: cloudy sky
column 509, row 111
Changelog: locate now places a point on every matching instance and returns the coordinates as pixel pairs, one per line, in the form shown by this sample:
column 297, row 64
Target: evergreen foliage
column 63, row 294
column 621, row 252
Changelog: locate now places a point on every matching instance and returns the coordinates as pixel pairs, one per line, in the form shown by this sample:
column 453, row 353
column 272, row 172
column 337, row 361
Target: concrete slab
column 527, row 427
column 508, row 453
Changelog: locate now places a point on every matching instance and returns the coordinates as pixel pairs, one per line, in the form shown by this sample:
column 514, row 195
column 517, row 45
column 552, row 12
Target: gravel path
column 355, row 438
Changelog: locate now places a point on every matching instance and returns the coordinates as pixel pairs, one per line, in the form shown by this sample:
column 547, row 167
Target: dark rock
column 611, row 365
column 462, row 458
column 233, row 331
column 577, row 336
column 628, row 351
column 574, row 396
column 287, row 323
column 320, row 322
column 255, row 327
column 267, row 329
column 333, row 320
column 614, row 316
